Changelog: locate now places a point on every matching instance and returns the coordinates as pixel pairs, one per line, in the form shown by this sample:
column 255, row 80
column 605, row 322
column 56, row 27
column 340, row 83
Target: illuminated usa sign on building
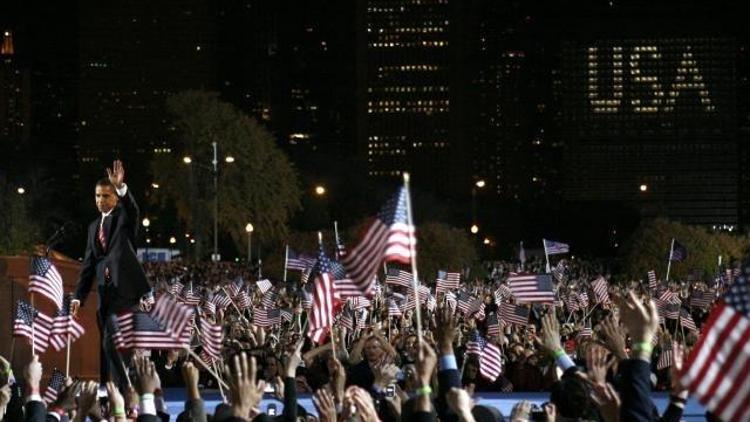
column 640, row 79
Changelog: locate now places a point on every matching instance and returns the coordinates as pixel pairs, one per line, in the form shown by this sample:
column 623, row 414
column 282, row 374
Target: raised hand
column 642, row 322
column 550, row 340
column 148, row 379
column 245, row 392
column 116, row 400
column 675, row 372
column 191, row 375
column 33, row 374
column 596, row 364
column 324, row 403
column 446, row 330
column 116, row 174
column 612, row 338
column 460, row 402
column 608, row 401
column 86, row 400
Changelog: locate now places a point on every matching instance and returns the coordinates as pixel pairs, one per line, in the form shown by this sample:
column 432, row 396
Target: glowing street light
column 480, row 183
column 487, row 241
column 474, row 229
column 146, row 222
column 229, row 159
column 21, row 190
column 643, row 187
column 320, row 190
column 172, row 240
column 187, row 160
column 155, row 185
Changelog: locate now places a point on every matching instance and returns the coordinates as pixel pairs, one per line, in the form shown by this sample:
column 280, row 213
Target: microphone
column 67, row 228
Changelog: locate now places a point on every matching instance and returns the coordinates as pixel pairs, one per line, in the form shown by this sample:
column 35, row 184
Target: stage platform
column 503, row 401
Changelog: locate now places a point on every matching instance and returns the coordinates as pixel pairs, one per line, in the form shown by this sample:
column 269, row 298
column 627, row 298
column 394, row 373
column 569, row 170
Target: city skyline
column 564, row 112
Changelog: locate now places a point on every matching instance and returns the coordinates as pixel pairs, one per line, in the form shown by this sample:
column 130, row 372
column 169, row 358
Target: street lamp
column 480, row 183
column 21, row 190
column 474, row 229
column 487, row 241
column 187, row 160
column 643, row 187
column 320, row 190
column 229, row 159
column 172, row 240
column 249, row 229
column 155, row 185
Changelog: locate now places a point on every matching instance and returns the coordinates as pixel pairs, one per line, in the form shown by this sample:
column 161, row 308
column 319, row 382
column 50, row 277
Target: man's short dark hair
column 104, row 181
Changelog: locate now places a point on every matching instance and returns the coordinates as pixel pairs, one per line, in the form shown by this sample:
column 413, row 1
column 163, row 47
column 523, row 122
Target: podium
column 14, row 281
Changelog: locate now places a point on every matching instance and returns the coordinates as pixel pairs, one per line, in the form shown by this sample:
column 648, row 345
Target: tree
column 648, row 249
column 18, row 232
column 260, row 186
column 441, row 247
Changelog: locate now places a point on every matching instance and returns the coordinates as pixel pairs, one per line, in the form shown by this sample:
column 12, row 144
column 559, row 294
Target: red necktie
column 102, row 238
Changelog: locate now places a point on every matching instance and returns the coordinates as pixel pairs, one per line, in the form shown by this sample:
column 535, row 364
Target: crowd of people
column 599, row 356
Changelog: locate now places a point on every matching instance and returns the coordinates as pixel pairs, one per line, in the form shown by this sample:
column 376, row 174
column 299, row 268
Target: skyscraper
column 404, row 90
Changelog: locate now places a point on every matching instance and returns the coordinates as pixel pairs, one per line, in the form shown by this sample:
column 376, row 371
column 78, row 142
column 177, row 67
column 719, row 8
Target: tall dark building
column 15, row 95
column 404, row 87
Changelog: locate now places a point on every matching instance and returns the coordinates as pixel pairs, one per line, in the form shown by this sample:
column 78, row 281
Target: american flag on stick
column 26, row 317
column 665, row 357
column 532, row 288
column 299, row 262
column 46, row 280
column 264, row 285
column 601, row 294
column 389, row 238
column 63, row 325
column 490, row 357
column 447, row 281
column 398, row 277
column 139, row 330
column 269, row 299
column 345, row 288
column 716, row 369
column 652, row 283
column 393, row 309
column 263, row 317
column 493, row 326
column 503, row 292
column 212, row 337
column 702, row 299
column 514, row 314
column 321, row 315
column 172, row 316
column 686, row 320
column 55, row 385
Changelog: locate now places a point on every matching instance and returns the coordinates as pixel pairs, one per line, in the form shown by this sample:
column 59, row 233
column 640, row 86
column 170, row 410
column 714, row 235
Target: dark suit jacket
column 127, row 279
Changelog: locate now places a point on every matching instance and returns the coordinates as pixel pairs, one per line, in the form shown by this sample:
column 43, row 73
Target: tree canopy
column 260, row 186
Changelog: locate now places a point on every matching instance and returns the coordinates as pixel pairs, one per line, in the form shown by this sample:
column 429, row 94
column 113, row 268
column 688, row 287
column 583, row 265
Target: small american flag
column 553, row 248
column 345, row 288
column 243, row 301
column 176, row 288
column 514, row 314
column 26, row 315
column 583, row 299
column 665, row 357
column 189, row 297
column 586, row 332
column 305, row 297
column 149, row 300
column 502, row 292
column 559, row 271
column 139, row 330
column 571, row 301
column 359, row 302
column 321, row 315
column 46, row 280
column 263, row 317
column 235, row 287
column 686, row 320
column 451, row 300
column 490, row 357
column 652, row 283
column 447, row 281
column 346, row 319
column 362, row 318
column 389, row 238
column 398, row 277
column 299, row 262
column 56, row 384
column 63, row 325
column 221, row 301
column 209, row 307
column 600, row 290
column 671, row 310
column 678, row 252
column 716, row 369
column 532, row 288
column 393, row 309
column 172, row 316
column 264, row 285
column 466, row 303
column 493, row 326
column 212, row 337
column 269, row 299
column 286, row 314
column 702, row 299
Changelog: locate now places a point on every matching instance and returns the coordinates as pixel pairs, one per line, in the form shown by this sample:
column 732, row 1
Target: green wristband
column 424, row 390
column 558, row 353
column 147, row 396
column 118, row 411
column 643, row 346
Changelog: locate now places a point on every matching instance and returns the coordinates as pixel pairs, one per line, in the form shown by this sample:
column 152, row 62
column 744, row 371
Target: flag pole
column 286, row 260
column 413, row 257
column 67, row 355
column 221, row 389
column 33, row 319
column 669, row 262
column 546, row 255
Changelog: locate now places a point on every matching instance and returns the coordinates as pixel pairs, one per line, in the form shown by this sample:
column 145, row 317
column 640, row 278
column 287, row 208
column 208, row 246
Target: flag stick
column 590, row 311
column 546, row 255
column 67, row 356
column 286, row 260
column 669, row 262
column 336, row 239
column 12, row 349
column 33, row 318
column 413, row 257
column 204, row 365
column 221, row 389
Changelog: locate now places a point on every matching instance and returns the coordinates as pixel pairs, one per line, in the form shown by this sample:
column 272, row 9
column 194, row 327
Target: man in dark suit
column 111, row 260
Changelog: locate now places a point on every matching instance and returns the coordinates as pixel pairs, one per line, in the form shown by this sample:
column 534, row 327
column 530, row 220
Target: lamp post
column 249, row 229
column 146, row 223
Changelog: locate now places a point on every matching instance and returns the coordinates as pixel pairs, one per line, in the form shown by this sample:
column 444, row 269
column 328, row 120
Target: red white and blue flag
column 46, row 280
column 532, row 288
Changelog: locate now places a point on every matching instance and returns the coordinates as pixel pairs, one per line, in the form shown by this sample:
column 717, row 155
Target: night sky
column 579, row 118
